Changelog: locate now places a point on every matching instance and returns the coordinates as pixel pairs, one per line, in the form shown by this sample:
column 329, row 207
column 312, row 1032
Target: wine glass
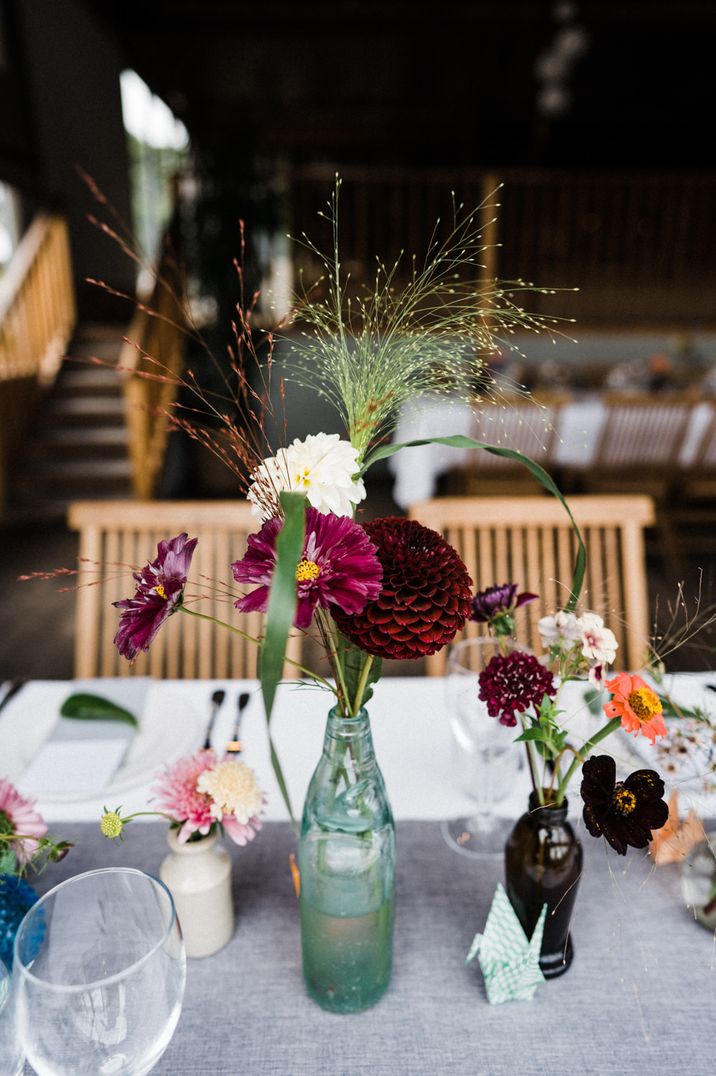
column 100, row 971
column 488, row 761
column 12, row 1059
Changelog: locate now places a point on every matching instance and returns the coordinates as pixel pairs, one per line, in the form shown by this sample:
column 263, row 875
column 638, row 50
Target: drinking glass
column 12, row 1059
column 100, row 971
column 488, row 761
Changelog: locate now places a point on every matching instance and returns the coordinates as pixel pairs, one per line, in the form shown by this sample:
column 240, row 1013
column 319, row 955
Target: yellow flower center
column 645, row 703
column 159, row 589
column 111, row 825
column 624, row 800
column 306, row 571
column 303, row 478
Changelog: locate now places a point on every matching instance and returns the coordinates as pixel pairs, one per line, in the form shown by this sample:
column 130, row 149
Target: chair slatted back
column 526, row 424
column 529, row 540
column 642, row 431
column 117, row 536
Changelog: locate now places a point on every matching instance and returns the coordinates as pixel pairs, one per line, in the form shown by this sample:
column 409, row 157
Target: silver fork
column 234, row 746
column 216, row 700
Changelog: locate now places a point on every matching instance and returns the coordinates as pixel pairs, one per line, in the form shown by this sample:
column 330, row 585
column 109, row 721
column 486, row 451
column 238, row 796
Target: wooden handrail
column 37, row 319
column 37, row 302
column 156, row 333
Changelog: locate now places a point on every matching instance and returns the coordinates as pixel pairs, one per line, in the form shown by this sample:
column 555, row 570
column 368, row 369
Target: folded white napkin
column 86, row 767
column 48, row 755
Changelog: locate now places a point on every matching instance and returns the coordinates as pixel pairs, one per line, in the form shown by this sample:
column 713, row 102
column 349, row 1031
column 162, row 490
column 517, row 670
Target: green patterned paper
column 509, row 961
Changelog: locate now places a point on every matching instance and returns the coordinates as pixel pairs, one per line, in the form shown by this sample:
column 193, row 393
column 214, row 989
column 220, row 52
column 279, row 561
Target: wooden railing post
column 37, row 318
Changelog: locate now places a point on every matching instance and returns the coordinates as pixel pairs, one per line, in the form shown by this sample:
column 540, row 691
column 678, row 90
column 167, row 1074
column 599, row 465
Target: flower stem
column 581, row 755
column 332, row 651
column 529, row 747
column 252, row 639
column 364, row 674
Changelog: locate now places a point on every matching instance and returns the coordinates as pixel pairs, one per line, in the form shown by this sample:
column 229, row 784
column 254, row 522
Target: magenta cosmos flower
column 339, row 567
column 159, row 593
column 18, row 816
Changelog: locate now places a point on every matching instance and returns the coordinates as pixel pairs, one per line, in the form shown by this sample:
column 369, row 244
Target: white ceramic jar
column 198, row 874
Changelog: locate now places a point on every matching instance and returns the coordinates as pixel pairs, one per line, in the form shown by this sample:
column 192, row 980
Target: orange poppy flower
column 637, row 705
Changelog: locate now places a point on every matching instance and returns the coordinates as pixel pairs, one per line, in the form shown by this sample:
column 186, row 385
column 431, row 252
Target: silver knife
column 234, row 746
column 12, row 690
column 216, row 700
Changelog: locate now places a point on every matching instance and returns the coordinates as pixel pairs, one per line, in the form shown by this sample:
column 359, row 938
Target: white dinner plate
column 169, row 727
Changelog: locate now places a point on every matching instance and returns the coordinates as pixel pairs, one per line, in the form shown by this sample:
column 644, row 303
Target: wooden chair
column 638, row 452
column 694, row 507
column 529, row 541
column 116, row 536
column 527, row 424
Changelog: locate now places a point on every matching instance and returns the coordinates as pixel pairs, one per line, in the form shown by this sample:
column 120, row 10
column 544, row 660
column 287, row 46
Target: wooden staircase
column 79, row 446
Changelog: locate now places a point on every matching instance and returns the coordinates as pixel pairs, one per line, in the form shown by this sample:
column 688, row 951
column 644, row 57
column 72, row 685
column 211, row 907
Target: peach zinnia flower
column 637, row 705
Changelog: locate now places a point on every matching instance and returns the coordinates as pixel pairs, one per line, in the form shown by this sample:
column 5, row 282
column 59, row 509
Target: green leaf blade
column 542, row 476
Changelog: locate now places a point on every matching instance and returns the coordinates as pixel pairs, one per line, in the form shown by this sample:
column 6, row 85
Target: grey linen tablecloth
column 640, row 996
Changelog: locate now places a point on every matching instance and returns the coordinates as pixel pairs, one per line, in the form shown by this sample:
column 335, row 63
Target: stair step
column 80, row 442
column 96, row 410
column 81, row 471
column 87, row 381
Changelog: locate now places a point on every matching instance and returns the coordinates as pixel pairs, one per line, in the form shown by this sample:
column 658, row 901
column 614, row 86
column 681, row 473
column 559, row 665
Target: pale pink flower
column 599, row 644
column 237, row 800
column 562, row 629
column 176, row 794
column 23, row 819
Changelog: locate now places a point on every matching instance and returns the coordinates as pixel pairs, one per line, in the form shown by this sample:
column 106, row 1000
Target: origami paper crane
column 508, row 959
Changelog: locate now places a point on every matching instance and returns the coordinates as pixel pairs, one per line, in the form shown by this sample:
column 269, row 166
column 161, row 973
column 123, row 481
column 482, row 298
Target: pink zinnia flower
column 18, row 815
column 176, row 794
column 159, row 593
column 339, row 567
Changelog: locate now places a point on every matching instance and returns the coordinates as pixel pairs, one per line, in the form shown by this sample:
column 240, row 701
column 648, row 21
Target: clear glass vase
column 346, row 858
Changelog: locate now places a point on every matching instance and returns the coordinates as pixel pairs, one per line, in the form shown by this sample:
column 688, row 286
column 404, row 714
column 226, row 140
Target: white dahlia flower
column 323, row 467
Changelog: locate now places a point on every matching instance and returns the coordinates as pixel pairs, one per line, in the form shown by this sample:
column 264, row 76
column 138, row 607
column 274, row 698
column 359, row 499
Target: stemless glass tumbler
column 100, row 971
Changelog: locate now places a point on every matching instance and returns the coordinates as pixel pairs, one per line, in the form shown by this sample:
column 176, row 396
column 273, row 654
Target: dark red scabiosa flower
column 339, row 567
column 425, row 598
column 496, row 605
column 625, row 812
column 511, row 683
column 159, row 593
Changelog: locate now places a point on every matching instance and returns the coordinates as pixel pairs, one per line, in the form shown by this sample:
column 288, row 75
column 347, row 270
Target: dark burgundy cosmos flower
column 625, row 812
column 425, row 598
column 339, row 567
column 511, row 683
column 159, row 593
column 497, row 604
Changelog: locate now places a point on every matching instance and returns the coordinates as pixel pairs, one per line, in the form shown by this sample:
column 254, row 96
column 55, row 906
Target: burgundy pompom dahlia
column 426, row 595
column 513, row 682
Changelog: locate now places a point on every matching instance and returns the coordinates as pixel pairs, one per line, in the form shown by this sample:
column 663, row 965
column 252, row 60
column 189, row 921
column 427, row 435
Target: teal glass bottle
column 346, row 859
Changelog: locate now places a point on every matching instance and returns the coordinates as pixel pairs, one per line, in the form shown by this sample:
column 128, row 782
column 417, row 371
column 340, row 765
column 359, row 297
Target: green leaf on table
column 542, row 476
column 84, row 707
column 280, row 613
